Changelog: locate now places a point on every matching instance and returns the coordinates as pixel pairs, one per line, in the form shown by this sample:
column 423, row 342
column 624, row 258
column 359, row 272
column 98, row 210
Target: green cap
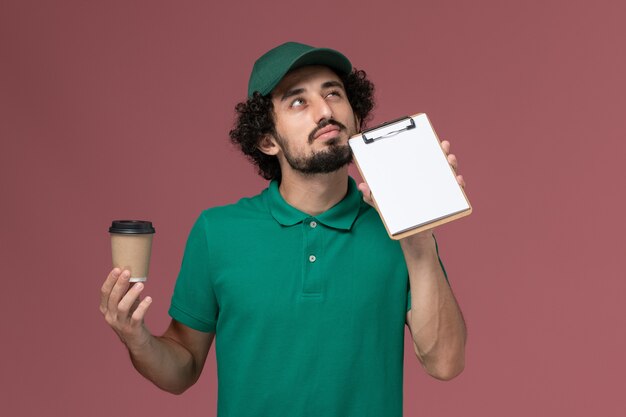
column 272, row 67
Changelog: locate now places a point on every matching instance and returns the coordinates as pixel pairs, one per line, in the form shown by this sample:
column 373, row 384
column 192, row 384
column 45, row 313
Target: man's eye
column 297, row 102
column 334, row 93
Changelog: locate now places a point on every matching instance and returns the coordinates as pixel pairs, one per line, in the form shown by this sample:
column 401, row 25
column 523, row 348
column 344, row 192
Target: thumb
column 367, row 193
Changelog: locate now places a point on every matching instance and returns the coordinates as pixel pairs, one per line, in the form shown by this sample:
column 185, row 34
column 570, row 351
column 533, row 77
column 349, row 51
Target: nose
column 322, row 110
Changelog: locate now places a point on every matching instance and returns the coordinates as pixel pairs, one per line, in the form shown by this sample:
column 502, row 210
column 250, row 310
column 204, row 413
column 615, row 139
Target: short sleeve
column 445, row 274
column 194, row 303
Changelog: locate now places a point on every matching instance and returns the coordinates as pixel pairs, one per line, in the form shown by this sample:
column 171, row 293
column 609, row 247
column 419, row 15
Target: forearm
column 435, row 320
column 173, row 361
column 165, row 362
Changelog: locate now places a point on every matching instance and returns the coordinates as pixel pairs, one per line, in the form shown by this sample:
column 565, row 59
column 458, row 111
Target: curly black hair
column 255, row 119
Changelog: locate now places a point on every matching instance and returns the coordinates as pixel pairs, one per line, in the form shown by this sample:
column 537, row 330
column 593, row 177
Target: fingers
column 453, row 161
column 105, row 291
column 140, row 312
column 122, row 309
column 460, row 180
column 367, row 193
column 129, row 302
column 445, row 145
column 118, row 291
column 118, row 302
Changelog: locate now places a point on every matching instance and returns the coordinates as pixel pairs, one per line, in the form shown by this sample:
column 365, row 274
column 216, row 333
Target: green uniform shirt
column 309, row 312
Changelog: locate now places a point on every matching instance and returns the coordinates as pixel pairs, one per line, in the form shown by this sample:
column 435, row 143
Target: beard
column 321, row 162
column 330, row 159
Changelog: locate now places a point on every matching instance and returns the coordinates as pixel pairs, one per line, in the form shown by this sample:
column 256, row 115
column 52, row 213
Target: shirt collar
column 341, row 216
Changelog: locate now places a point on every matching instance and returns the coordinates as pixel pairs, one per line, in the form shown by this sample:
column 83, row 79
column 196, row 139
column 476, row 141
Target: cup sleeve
column 194, row 303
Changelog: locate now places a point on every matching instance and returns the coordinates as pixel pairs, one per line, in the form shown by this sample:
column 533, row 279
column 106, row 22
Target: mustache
column 323, row 124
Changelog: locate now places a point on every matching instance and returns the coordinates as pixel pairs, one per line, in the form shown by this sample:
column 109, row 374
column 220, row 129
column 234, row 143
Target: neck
column 314, row 193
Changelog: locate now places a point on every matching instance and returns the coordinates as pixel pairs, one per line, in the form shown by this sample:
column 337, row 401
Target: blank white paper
column 409, row 176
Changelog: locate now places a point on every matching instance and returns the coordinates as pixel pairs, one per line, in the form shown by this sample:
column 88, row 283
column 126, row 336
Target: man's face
column 313, row 121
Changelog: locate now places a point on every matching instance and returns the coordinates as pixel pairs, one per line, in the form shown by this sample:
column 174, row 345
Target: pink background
column 121, row 109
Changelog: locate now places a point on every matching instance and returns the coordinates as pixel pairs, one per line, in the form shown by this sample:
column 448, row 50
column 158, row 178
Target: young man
column 305, row 291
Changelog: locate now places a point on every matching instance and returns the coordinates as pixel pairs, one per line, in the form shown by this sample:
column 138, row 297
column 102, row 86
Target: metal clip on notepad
column 388, row 129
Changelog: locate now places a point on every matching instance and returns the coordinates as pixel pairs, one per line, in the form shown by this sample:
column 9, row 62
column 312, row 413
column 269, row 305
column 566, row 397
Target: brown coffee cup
column 131, row 245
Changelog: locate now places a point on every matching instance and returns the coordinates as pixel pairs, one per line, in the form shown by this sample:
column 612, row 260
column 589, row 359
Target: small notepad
column 413, row 186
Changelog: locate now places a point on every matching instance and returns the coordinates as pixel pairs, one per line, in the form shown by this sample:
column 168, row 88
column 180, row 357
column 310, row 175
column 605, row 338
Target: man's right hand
column 123, row 310
column 173, row 361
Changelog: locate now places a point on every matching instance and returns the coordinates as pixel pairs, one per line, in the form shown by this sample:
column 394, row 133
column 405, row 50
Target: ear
column 268, row 145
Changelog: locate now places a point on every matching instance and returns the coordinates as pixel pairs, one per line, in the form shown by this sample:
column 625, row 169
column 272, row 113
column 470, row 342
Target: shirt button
column 312, row 258
column 313, row 224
